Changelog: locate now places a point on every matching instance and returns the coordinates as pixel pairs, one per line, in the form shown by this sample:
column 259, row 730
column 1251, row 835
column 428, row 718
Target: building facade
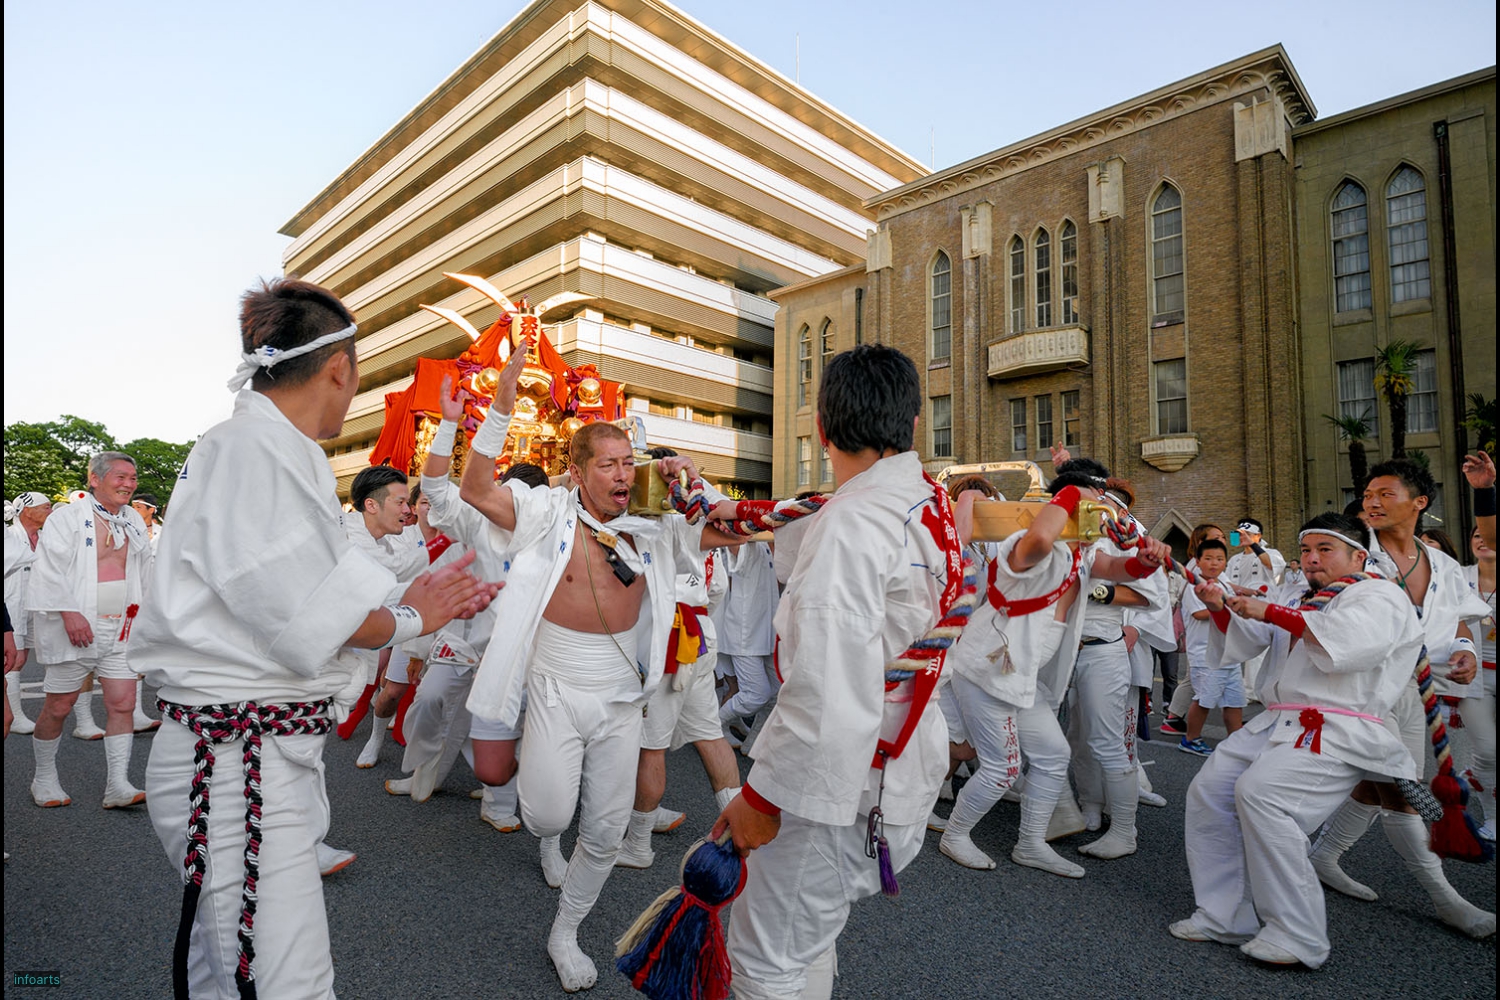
column 1396, row 233
column 620, row 149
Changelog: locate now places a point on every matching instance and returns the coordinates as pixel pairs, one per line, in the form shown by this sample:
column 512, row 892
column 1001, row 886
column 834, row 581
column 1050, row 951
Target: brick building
column 1124, row 283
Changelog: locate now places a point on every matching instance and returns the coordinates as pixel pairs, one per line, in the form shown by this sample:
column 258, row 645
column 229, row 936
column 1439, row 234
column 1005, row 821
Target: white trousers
column 758, row 684
column 437, row 717
column 1479, row 723
column 292, row 957
column 1001, row 733
column 581, row 741
column 1248, row 816
column 797, row 898
column 1101, row 726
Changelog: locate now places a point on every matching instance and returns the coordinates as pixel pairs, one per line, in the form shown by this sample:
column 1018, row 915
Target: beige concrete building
column 1396, row 237
column 1124, row 283
column 620, row 149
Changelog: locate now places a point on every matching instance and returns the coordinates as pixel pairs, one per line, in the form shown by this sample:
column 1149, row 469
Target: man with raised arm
column 247, row 632
column 582, row 630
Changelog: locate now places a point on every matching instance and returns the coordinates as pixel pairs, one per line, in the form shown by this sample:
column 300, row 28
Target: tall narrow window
column 1043, row 421
column 1071, row 420
column 826, row 336
column 1043, row 245
column 1017, row 285
column 1351, row 249
column 1171, row 397
column 1422, row 404
column 804, row 365
column 1018, row 425
column 1406, row 217
column 1357, row 392
column 942, row 425
column 804, row 461
column 942, row 308
column 1069, row 249
column 1166, row 257
column 859, row 316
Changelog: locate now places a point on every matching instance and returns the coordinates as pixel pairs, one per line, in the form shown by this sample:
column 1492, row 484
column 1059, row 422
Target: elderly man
column 86, row 585
column 31, row 510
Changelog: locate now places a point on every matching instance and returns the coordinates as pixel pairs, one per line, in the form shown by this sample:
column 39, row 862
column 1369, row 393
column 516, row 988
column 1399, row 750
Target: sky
column 153, row 150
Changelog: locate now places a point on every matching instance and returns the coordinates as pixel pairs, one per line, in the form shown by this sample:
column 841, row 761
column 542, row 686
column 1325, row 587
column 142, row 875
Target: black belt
column 1101, row 642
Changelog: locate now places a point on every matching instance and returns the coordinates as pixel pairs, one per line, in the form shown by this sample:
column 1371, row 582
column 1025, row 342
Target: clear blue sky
column 152, row 150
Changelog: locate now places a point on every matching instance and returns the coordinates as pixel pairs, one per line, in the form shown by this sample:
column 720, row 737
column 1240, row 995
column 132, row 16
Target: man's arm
column 1045, row 529
column 478, row 487
column 1479, row 470
column 1150, row 555
column 438, row 598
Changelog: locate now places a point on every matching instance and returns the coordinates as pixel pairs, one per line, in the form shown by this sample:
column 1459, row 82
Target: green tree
column 1395, row 378
column 52, row 457
column 1354, row 430
column 157, row 463
column 1480, row 419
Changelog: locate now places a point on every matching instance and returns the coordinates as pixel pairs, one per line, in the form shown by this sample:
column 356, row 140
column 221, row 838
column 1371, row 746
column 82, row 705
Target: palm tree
column 1481, row 420
column 1354, row 430
column 1395, row 378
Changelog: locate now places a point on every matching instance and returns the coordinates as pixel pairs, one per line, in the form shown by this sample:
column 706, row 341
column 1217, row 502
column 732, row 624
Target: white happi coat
column 255, row 608
column 1246, row 570
column 744, row 619
column 867, row 582
column 19, row 555
column 65, row 576
column 1019, row 646
column 1154, row 625
column 546, row 528
column 1362, row 662
column 1446, row 604
column 404, row 554
column 491, row 544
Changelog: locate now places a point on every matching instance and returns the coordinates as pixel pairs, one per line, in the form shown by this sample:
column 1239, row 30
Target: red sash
column 1026, row 606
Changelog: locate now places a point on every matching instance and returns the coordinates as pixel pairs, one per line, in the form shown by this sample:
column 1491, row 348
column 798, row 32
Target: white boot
column 945, row 792
column 975, row 799
column 636, row 851
column 370, row 755
column 585, row 878
column 20, row 725
column 1066, row 817
column 1408, row 835
column 1037, row 805
column 46, row 790
column 1342, row 832
column 83, row 713
column 667, row 820
column 724, row 796
column 554, row 866
column 424, row 780
column 1122, row 793
column 331, row 859
column 1148, row 795
column 118, row 791
column 141, row 722
column 499, row 807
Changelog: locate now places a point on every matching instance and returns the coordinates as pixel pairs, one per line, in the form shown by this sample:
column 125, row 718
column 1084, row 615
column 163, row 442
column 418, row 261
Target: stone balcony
column 1039, row 351
column 1169, row 452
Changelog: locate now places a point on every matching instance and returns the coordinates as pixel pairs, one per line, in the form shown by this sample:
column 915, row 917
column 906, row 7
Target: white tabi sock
column 1408, row 835
column 85, row 728
column 20, row 724
column 1037, row 804
column 975, row 800
column 580, row 891
column 118, row 791
column 503, row 797
column 371, row 753
column 636, row 851
column 140, row 719
column 554, row 866
column 45, row 786
column 1348, row 824
column 1122, row 794
column 724, row 796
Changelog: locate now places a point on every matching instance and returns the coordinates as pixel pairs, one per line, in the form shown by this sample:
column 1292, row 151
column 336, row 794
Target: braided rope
column 1125, row 532
column 218, row 724
column 941, row 636
column 765, row 515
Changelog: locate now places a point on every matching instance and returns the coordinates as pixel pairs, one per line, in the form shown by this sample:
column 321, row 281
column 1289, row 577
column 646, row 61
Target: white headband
column 1248, row 526
column 1334, row 534
column 31, row 498
column 269, row 357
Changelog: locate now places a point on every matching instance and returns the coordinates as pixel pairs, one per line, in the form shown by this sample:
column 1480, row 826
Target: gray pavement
column 440, row 905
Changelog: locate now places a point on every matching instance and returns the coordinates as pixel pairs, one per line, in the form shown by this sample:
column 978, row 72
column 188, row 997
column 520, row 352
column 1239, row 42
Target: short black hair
column 1351, row 527
column 662, row 451
column 1212, row 543
column 1085, row 473
column 373, row 483
column 531, row 475
column 1354, row 508
column 869, row 398
column 285, row 313
column 1417, row 480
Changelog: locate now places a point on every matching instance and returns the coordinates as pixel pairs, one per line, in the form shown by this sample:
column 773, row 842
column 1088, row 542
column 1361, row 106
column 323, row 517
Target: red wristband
column 756, row 802
column 1287, row 618
column 1220, row 618
column 1139, row 568
column 1067, row 498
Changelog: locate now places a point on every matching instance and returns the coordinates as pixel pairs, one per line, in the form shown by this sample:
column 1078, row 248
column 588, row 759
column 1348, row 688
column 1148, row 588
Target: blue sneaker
column 1197, row 747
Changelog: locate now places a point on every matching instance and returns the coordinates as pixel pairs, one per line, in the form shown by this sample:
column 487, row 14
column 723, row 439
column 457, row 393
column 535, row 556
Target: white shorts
column 396, row 671
column 675, row 718
column 493, row 729
column 1219, row 687
column 106, row 658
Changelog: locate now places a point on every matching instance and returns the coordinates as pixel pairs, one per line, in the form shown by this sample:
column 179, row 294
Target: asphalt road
column 440, row 905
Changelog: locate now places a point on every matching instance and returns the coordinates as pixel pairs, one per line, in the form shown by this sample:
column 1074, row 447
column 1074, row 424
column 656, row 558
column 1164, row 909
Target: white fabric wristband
column 408, row 624
column 442, row 439
column 490, row 438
